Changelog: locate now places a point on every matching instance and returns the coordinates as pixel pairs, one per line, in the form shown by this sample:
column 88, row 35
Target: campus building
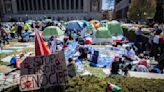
column 121, row 9
column 39, row 9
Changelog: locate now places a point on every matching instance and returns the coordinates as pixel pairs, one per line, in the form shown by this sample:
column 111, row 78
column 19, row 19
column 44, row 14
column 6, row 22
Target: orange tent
column 95, row 23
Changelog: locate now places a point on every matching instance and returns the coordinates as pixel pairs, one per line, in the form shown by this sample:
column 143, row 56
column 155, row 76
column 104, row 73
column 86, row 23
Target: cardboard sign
column 43, row 72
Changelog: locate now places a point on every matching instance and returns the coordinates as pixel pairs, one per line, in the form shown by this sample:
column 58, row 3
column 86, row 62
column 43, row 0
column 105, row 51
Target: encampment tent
column 52, row 31
column 95, row 23
column 102, row 35
column 74, row 25
column 115, row 27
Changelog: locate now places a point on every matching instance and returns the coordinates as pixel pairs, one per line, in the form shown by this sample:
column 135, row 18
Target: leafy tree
column 142, row 10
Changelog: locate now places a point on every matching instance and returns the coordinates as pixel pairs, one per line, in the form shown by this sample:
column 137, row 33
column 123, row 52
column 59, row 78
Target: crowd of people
column 119, row 62
column 153, row 44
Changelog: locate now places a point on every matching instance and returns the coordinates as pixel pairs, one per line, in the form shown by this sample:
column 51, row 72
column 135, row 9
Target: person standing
column 138, row 40
column 12, row 31
column 26, row 27
column 19, row 31
column 138, row 34
column 71, row 68
column 4, row 35
column 155, row 47
column 52, row 43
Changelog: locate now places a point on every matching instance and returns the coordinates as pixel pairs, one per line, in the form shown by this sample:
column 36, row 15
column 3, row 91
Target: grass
column 95, row 84
column 4, row 63
column 2, row 55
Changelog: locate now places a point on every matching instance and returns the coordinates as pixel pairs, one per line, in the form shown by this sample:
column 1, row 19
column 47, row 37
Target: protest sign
column 43, row 72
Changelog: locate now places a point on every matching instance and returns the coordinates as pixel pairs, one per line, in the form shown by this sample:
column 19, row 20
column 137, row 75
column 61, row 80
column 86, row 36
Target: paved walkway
column 146, row 75
column 15, row 47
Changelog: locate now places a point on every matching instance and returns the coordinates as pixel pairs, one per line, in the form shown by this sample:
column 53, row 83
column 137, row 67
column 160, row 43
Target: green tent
column 90, row 30
column 103, row 33
column 115, row 27
column 52, row 30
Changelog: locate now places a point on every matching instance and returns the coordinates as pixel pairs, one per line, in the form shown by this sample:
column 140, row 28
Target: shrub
column 95, row 84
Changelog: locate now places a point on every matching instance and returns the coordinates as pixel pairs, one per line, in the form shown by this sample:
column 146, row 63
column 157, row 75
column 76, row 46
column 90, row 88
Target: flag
column 113, row 88
column 40, row 46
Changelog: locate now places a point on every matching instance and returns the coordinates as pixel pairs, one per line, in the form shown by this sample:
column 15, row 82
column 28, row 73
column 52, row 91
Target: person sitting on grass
column 83, row 53
column 13, row 61
column 130, row 54
column 143, row 61
column 142, row 65
column 71, row 68
column 115, row 65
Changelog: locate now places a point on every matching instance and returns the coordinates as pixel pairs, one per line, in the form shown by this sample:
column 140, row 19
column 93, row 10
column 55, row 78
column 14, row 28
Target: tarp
column 103, row 33
column 52, row 30
column 74, row 25
column 115, row 27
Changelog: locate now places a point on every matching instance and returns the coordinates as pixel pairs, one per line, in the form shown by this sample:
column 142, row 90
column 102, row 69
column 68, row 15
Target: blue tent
column 74, row 25
column 87, row 23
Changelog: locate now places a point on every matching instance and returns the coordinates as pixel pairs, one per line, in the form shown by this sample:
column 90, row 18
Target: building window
column 43, row 3
column 26, row 5
column 58, row 4
column 48, row 4
column 63, row 2
column 67, row 4
column 72, row 4
column 34, row 3
column 30, row 2
column 82, row 4
column 53, row 4
column 39, row 5
column 18, row 5
column 8, row 7
column 21, row 2
column 77, row 4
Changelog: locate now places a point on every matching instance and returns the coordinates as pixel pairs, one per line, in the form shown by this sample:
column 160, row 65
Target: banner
column 43, row 72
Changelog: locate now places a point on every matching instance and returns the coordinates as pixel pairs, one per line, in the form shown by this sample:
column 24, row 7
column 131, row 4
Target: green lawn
column 95, row 84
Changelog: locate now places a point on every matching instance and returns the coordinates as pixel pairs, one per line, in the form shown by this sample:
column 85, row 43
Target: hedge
column 95, row 84
column 130, row 34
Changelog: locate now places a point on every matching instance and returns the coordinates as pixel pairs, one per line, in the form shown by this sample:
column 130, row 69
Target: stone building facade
column 39, row 9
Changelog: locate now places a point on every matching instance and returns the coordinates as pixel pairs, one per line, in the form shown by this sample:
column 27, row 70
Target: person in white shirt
column 52, row 44
column 155, row 46
column 156, row 39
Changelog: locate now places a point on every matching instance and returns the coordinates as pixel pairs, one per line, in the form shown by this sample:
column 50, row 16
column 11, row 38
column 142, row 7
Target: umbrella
column 115, row 27
column 52, row 31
